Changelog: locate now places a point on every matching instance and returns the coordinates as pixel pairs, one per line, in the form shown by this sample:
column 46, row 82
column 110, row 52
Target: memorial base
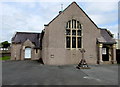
column 83, row 65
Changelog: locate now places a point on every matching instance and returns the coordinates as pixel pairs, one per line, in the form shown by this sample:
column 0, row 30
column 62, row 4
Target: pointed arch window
column 73, row 34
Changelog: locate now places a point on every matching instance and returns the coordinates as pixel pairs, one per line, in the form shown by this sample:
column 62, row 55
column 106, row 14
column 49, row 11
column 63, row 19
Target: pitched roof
column 66, row 9
column 21, row 37
column 106, row 37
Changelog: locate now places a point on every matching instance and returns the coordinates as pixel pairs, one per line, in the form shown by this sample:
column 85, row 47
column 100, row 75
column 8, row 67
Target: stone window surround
column 71, row 27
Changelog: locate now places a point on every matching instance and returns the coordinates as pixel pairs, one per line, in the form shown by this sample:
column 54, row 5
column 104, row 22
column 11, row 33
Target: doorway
column 27, row 53
column 105, row 53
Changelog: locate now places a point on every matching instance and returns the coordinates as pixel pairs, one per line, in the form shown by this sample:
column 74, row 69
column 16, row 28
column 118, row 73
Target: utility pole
column 118, row 41
column 118, row 36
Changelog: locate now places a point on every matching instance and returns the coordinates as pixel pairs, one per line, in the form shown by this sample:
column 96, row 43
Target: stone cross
column 82, row 64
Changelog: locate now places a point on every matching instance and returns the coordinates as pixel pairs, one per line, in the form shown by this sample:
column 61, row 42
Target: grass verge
column 5, row 58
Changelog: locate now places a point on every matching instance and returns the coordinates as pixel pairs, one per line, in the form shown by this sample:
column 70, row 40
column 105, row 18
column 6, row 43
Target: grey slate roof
column 106, row 37
column 21, row 37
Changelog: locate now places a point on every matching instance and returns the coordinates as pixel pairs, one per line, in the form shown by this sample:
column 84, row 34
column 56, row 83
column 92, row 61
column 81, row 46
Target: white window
column 103, row 50
column 27, row 53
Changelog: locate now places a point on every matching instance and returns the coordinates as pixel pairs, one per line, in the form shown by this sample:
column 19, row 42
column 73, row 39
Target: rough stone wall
column 18, row 51
column 55, row 51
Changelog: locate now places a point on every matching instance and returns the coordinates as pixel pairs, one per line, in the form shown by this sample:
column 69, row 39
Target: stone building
column 26, row 45
column 63, row 38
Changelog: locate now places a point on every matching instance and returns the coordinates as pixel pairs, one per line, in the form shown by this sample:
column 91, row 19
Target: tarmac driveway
column 34, row 73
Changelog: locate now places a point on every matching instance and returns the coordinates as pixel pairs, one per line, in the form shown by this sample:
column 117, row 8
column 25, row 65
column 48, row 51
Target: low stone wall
column 5, row 53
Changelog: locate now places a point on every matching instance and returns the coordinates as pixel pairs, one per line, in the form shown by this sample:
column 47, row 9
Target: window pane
column 79, row 32
column 80, row 27
column 67, row 42
column 73, row 32
column 103, row 50
column 79, row 42
column 69, row 24
column 74, row 23
column 67, row 32
column 78, row 24
column 73, row 42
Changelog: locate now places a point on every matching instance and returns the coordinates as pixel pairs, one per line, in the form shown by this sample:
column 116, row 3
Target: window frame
column 104, row 51
column 72, row 28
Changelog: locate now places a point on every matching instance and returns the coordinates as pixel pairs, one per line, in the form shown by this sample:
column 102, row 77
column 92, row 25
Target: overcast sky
column 31, row 16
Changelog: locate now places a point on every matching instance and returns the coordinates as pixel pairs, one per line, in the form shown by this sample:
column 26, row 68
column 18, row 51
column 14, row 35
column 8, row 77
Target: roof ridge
column 27, row 33
column 108, row 31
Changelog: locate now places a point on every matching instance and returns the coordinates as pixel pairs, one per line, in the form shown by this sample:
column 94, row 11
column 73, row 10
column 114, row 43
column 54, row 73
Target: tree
column 5, row 44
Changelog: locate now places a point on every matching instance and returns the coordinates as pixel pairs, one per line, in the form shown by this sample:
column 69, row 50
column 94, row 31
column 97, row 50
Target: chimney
column 61, row 9
column 60, row 12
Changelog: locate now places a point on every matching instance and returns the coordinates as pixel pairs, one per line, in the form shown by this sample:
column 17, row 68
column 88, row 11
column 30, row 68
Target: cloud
column 113, row 29
column 14, row 19
column 59, row 0
column 101, row 6
column 31, row 16
column 26, row 17
column 104, row 19
column 34, row 23
column 102, row 12
column 29, row 4
column 50, row 10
